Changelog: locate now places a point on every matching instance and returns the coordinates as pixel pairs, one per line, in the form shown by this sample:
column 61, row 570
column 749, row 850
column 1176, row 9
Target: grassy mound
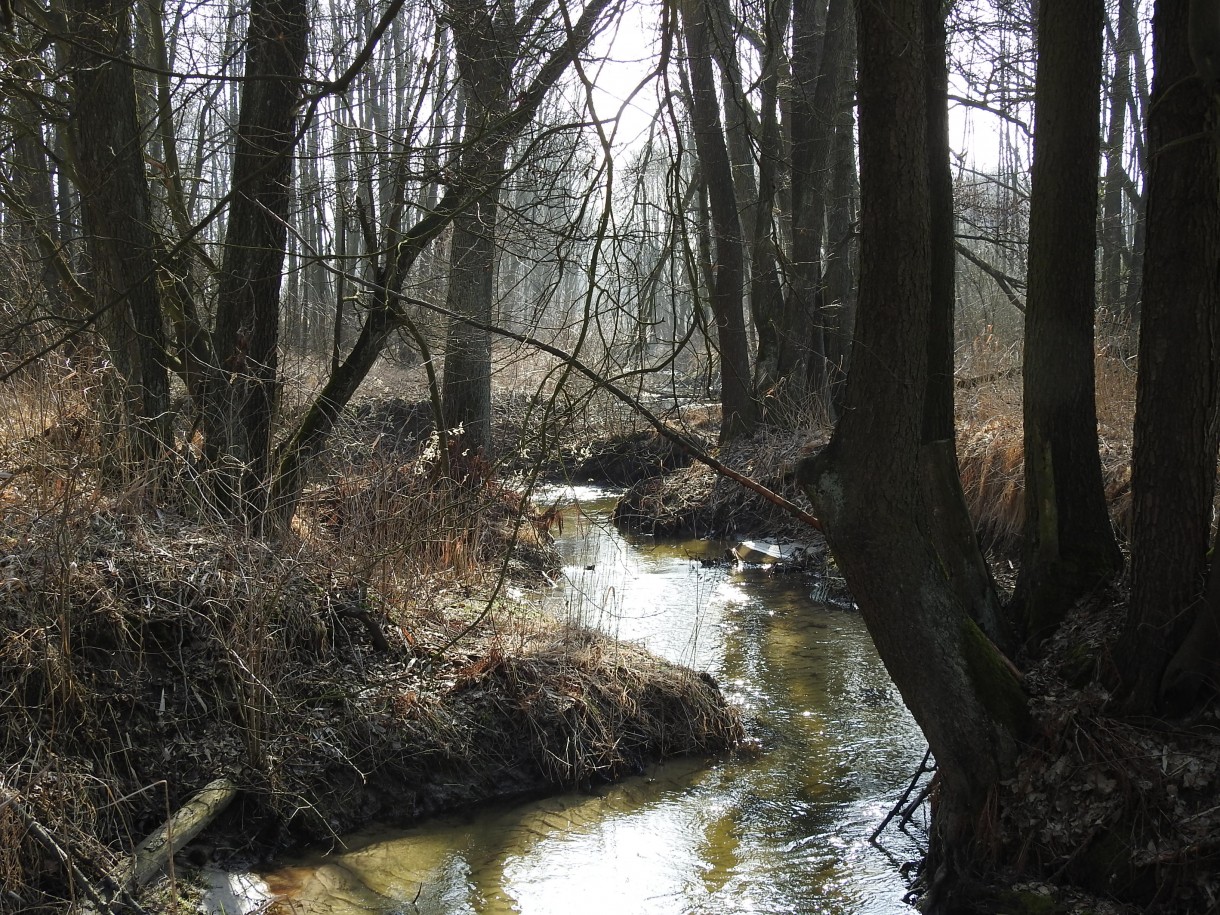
column 362, row 667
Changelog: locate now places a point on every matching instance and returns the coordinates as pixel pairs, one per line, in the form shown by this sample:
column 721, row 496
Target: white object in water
column 755, row 551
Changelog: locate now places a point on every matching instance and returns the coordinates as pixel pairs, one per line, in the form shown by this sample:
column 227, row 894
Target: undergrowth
column 369, row 663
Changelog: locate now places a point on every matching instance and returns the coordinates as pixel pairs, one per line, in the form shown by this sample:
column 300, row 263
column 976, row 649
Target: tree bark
column 486, row 38
column 950, row 527
column 240, row 399
column 1173, row 470
column 108, row 157
column 816, row 69
column 1069, row 545
column 31, row 211
column 840, row 279
column 738, row 409
column 1113, row 235
column 867, row 487
column 756, row 199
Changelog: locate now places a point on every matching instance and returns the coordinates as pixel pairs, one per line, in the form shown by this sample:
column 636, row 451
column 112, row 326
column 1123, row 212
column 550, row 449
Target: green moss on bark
column 994, row 680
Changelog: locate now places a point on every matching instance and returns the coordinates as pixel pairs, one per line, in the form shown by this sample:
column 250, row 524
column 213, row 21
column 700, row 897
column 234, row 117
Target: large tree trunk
column 108, row 157
column 867, row 486
column 486, row 43
column 1173, row 471
column 738, row 409
column 471, row 292
column 1069, row 544
column 240, row 398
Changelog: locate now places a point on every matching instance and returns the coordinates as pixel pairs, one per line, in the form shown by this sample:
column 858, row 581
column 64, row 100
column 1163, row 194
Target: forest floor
column 385, row 661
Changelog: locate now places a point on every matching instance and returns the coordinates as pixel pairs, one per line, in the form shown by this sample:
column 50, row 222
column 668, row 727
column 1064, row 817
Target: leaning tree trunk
column 866, row 485
column 1173, row 468
column 1069, row 544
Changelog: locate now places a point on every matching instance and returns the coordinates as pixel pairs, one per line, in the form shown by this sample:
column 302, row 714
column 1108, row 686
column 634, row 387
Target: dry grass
column 990, row 452
column 696, row 501
column 353, row 671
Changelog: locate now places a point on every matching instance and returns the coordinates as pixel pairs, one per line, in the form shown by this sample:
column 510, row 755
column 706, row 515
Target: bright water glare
column 785, row 832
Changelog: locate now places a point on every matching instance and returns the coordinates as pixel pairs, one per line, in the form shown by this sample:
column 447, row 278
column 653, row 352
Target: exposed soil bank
column 695, row 501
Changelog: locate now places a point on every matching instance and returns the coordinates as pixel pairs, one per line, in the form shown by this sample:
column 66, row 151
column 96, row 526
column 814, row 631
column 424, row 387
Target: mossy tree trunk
column 867, row 486
column 1069, row 545
column 1173, row 472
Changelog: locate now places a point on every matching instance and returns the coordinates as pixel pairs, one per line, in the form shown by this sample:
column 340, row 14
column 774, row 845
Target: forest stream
column 785, row 830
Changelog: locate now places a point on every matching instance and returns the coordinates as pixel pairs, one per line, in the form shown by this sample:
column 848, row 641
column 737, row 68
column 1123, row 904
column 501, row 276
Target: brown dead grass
column 991, row 456
column 357, row 670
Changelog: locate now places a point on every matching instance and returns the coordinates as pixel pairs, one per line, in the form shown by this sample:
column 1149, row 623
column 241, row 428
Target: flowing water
column 786, row 831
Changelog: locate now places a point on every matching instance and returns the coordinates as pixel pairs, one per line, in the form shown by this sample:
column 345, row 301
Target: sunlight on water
column 785, row 832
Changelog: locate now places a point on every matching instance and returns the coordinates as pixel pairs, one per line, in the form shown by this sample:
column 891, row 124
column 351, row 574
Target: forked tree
column 867, row 486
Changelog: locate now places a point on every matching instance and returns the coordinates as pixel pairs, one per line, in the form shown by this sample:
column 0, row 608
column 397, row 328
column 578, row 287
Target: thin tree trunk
column 1113, row 234
column 766, row 291
column 840, row 279
column 816, row 69
column 738, row 409
column 32, row 210
column 384, row 312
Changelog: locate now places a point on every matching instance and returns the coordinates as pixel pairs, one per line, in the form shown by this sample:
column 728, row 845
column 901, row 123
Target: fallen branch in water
column 152, row 855
column 655, row 421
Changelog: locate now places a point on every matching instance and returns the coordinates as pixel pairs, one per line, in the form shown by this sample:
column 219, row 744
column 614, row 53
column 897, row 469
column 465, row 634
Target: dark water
column 784, row 832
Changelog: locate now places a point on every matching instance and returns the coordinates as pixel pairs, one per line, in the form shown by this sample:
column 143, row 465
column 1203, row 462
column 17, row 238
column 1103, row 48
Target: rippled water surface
column 784, row 832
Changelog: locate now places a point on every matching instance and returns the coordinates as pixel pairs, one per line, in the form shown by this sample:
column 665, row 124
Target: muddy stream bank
column 785, row 830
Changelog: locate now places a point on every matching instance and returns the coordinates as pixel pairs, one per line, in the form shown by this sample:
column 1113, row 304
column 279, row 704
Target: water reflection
column 786, row 832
